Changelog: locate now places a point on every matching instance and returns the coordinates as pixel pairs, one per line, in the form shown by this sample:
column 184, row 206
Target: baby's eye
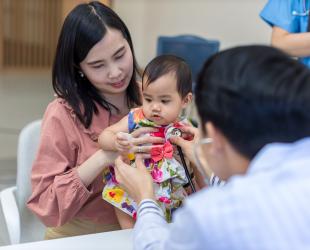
column 165, row 101
column 147, row 99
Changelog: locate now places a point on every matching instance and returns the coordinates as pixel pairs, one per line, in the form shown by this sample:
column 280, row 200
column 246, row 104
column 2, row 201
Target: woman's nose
column 114, row 72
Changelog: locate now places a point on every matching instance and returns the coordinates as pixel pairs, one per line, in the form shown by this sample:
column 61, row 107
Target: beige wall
column 233, row 22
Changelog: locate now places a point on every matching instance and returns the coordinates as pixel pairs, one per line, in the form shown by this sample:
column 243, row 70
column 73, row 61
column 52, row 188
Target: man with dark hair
column 253, row 104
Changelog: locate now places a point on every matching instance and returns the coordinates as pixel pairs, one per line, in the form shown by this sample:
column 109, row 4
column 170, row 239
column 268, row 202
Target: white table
column 121, row 239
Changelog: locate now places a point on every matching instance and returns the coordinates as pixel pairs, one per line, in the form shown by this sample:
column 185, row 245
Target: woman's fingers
column 123, row 143
column 148, row 140
column 140, row 131
column 141, row 143
column 142, row 149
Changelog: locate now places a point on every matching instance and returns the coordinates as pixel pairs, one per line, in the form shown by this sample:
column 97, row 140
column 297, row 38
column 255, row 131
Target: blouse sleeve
column 280, row 13
column 57, row 190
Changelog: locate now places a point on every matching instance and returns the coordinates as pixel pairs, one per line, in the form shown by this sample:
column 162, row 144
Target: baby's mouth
column 156, row 116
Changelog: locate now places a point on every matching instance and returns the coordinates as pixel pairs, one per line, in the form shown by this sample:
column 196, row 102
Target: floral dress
column 168, row 174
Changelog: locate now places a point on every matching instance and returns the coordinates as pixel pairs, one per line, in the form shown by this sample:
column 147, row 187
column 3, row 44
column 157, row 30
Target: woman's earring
column 81, row 74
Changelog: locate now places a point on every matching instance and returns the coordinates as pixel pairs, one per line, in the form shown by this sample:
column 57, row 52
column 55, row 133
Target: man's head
column 252, row 96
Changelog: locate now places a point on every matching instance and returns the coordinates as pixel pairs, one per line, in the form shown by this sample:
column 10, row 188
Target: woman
column 94, row 78
column 289, row 20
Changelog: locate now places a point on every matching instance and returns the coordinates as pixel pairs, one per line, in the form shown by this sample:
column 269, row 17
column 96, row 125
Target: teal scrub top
column 290, row 15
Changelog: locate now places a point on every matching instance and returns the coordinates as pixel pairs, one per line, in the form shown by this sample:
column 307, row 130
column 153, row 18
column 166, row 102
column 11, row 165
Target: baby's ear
column 187, row 99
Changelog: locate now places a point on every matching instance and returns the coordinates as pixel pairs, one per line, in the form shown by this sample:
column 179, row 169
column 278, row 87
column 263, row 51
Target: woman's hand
column 186, row 145
column 137, row 181
column 143, row 144
column 94, row 165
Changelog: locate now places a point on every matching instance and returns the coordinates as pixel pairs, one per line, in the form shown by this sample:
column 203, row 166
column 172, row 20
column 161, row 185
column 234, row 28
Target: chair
column 21, row 224
column 193, row 49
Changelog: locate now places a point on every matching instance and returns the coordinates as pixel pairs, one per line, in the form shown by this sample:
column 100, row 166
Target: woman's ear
column 187, row 100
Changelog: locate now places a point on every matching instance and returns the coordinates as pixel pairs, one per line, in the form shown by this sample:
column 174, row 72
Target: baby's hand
column 123, row 142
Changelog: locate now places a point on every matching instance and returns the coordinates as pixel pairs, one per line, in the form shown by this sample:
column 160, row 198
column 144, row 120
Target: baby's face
column 161, row 100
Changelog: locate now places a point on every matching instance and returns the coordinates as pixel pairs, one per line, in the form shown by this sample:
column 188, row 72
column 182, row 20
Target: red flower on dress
column 157, row 174
column 164, row 200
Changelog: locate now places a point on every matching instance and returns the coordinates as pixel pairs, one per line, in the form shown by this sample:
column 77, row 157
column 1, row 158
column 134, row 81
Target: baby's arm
column 113, row 138
column 124, row 220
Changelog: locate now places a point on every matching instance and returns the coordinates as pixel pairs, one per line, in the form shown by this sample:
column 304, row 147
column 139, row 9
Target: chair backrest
column 193, row 49
column 31, row 228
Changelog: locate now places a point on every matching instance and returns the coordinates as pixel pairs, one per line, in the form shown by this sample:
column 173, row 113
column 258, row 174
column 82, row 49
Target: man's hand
column 186, row 145
column 137, row 181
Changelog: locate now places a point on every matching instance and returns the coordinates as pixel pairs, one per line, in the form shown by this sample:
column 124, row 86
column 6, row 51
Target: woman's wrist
column 106, row 158
column 93, row 166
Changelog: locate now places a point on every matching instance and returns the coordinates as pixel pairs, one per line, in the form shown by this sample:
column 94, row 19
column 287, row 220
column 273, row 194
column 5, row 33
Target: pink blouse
column 58, row 194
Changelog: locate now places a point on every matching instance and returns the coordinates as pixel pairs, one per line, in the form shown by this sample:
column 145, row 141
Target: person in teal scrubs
column 290, row 29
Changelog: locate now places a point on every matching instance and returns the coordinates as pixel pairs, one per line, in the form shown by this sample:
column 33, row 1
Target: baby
column 166, row 91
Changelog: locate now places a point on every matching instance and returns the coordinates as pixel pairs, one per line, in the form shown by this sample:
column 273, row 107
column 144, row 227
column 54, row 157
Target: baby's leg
column 124, row 220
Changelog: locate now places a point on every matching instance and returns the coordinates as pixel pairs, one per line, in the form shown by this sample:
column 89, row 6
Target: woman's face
column 109, row 64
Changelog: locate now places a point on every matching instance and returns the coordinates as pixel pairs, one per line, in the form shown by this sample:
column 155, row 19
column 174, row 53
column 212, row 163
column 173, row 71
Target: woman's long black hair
column 85, row 26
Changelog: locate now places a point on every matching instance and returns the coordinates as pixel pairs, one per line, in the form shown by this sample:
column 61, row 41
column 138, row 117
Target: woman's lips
column 118, row 85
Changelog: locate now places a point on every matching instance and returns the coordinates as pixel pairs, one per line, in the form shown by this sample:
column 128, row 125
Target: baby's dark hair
column 164, row 64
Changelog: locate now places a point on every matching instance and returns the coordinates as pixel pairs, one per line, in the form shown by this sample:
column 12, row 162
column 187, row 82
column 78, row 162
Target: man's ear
column 218, row 139
column 229, row 161
column 187, row 100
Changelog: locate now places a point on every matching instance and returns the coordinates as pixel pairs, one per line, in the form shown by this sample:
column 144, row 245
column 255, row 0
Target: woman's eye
column 98, row 66
column 119, row 56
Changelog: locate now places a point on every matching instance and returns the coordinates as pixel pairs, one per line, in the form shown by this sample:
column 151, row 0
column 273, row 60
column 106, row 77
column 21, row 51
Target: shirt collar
column 274, row 155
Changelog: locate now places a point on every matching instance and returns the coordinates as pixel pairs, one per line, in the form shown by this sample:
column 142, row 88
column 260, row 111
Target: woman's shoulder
column 58, row 103
column 59, row 110
column 57, row 123
column 59, row 107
